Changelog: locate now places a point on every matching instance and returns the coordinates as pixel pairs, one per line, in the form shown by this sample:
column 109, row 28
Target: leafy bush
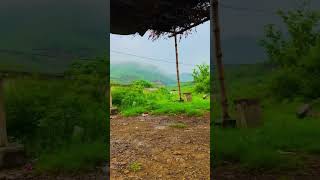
column 142, row 83
column 201, row 77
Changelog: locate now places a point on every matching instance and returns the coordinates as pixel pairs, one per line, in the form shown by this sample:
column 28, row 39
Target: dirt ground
column 101, row 173
column 309, row 171
column 162, row 151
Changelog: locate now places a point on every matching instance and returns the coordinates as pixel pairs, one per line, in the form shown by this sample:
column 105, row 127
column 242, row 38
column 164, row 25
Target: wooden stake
column 3, row 126
column 177, row 65
column 218, row 52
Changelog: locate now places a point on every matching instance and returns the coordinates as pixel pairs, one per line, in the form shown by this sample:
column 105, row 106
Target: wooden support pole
column 3, row 126
column 110, row 96
column 215, row 26
column 177, row 65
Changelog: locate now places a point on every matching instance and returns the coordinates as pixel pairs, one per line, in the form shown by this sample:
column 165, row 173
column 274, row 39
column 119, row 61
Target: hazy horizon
column 194, row 49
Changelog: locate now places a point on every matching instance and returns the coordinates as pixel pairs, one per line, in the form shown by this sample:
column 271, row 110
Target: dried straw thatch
column 160, row 16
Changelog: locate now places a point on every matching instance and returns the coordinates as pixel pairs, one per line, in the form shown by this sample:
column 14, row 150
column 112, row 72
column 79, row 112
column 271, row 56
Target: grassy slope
column 282, row 131
column 162, row 102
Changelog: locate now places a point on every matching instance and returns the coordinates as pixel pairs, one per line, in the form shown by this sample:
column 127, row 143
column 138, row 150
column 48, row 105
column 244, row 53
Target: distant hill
column 128, row 72
column 186, row 77
column 46, row 36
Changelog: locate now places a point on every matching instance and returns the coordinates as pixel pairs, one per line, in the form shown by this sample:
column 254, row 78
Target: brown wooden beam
column 3, row 124
column 177, row 66
column 215, row 26
column 188, row 28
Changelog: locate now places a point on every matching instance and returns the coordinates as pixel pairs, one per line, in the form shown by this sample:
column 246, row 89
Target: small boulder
column 113, row 111
column 205, row 96
column 12, row 156
column 303, row 111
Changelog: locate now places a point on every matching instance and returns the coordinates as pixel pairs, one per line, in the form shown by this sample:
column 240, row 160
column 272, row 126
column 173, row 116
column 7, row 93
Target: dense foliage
column 291, row 75
column 136, row 99
column 52, row 117
column 295, row 53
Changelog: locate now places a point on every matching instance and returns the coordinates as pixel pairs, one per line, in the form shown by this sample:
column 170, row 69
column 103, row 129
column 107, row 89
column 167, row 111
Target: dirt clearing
column 160, row 147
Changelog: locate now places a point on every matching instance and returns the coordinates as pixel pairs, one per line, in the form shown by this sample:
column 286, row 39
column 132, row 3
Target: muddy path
column 160, row 150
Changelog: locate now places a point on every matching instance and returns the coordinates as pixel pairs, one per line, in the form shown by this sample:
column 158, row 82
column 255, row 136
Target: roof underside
column 160, row 16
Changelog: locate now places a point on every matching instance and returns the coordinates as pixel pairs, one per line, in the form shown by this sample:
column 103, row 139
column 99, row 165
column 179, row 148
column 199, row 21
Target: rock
column 145, row 114
column 160, row 127
column 113, row 111
column 177, row 153
column 303, row 111
column 126, row 171
column 104, row 168
column 205, row 96
column 12, row 156
column 169, row 161
column 77, row 132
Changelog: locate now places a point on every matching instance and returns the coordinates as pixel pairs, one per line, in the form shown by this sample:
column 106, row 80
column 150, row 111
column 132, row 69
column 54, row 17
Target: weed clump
column 135, row 166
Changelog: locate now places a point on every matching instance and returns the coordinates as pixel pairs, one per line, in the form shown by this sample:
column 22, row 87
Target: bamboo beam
column 218, row 57
column 190, row 27
column 177, row 65
column 3, row 125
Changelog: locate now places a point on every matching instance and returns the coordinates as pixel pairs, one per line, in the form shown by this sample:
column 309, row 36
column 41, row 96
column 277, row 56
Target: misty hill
column 128, row 72
column 48, row 35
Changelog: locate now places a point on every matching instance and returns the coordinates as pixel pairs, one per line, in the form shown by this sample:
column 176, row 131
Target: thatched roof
column 160, row 16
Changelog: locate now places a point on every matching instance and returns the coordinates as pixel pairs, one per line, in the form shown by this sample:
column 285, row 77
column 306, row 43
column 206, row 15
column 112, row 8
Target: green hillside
column 128, row 72
column 47, row 36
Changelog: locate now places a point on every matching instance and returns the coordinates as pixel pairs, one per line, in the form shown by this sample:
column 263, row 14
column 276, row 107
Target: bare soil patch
column 163, row 147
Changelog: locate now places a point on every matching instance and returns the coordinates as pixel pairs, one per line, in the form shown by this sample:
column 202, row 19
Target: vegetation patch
column 135, row 166
column 142, row 96
column 178, row 125
column 61, row 122
column 285, row 82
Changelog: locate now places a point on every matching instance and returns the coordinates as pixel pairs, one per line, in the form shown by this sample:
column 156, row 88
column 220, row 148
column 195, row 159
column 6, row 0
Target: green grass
column 263, row 147
column 132, row 102
column 135, row 166
column 74, row 157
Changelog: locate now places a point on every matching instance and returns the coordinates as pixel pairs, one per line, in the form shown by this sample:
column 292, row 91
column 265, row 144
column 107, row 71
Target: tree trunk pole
column 215, row 25
column 177, row 65
column 3, row 126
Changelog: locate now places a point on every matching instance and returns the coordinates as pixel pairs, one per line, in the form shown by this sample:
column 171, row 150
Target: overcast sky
column 195, row 49
column 242, row 25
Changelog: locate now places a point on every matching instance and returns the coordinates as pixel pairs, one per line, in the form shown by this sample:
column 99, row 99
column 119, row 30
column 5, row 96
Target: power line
column 150, row 58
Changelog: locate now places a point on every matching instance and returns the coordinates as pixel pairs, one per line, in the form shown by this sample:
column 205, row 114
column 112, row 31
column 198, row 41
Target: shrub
column 201, row 77
column 142, row 83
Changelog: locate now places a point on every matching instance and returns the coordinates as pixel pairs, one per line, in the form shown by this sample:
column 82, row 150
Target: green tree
column 295, row 53
column 201, row 77
column 285, row 49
